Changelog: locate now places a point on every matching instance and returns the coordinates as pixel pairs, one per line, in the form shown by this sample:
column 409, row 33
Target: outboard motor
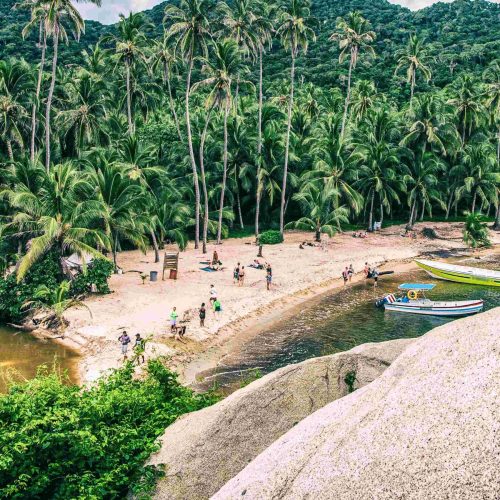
column 388, row 299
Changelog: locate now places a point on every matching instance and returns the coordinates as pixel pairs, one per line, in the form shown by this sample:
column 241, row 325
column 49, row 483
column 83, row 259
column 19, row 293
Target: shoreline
column 204, row 350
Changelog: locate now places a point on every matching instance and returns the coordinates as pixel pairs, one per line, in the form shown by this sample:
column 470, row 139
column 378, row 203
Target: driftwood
column 23, row 328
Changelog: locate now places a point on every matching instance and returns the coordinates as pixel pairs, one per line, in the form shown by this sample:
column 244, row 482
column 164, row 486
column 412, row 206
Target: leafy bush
column 270, row 237
column 63, row 441
column 98, row 273
column 476, row 231
column 13, row 295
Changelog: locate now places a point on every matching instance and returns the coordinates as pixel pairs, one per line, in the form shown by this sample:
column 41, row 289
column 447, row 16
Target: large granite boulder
column 427, row 428
column 203, row 450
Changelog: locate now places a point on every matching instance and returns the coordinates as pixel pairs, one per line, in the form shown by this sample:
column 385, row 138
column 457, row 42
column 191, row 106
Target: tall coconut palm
column 12, row 115
column 466, row 100
column 164, row 58
column 190, row 29
column 353, row 36
column 295, row 30
column 221, row 70
column 414, row 58
column 481, row 177
column 39, row 10
column 363, row 99
column 60, row 14
column 129, row 44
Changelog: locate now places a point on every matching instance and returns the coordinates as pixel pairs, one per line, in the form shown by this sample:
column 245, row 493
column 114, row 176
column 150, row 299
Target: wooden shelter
column 171, row 262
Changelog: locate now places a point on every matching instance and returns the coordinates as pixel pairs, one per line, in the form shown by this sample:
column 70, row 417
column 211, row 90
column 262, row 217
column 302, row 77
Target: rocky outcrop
column 428, row 427
column 203, row 450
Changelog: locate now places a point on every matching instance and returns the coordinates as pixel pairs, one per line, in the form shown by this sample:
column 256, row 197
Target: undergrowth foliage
column 62, row 441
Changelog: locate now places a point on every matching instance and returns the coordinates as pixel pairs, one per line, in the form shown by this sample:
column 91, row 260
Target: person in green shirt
column 217, row 306
column 173, row 320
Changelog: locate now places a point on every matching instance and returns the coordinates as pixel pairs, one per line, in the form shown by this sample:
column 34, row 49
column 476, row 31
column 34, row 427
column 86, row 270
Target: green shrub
column 62, row 441
column 13, row 295
column 270, row 237
column 98, row 273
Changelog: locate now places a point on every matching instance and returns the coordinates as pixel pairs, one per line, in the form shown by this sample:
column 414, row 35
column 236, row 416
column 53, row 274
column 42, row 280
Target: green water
column 338, row 322
column 21, row 356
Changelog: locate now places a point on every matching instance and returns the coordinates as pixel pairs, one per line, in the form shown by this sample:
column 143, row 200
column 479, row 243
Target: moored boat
column 460, row 274
column 414, row 301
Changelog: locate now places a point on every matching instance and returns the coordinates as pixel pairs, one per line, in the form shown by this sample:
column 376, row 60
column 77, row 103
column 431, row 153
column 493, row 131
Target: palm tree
column 164, row 58
column 363, row 96
column 481, row 177
column 222, row 69
column 467, row 104
column 12, row 116
column 129, row 51
column 414, row 58
column 295, row 30
column 354, row 36
column 322, row 217
column 58, row 14
column 39, row 10
column 190, row 28
column 476, row 231
column 57, row 211
column 422, row 181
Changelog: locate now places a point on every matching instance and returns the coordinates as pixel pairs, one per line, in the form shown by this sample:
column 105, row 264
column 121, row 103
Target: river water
column 337, row 322
column 21, row 355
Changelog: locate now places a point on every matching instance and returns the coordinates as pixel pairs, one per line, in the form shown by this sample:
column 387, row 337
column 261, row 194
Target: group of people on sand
column 360, row 234
column 139, row 346
column 239, row 272
column 347, row 274
column 371, row 273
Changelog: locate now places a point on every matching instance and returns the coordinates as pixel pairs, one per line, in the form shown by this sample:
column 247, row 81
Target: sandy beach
column 298, row 274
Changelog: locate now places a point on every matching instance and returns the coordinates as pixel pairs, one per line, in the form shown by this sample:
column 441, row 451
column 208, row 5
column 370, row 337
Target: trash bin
column 173, row 274
column 153, row 276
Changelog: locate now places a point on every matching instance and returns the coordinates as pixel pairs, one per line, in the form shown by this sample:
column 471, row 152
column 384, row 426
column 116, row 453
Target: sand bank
column 298, row 274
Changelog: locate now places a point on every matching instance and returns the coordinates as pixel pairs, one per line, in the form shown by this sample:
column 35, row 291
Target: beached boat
column 414, row 301
column 460, row 274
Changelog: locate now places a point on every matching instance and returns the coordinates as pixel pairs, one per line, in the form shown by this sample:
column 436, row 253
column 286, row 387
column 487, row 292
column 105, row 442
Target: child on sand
column 213, row 294
column 236, row 273
column 269, row 279
column 366, row 270
column 173, row 320
column 203, row 313
column 217, row 307
column 124, row 340
column 241, row 276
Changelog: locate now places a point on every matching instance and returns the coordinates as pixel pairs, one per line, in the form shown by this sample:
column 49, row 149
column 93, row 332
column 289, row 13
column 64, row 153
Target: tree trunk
column 155, row 246
column 370, row 217
column 318, row 235
column 347, row 97
column 166, row 77
column 259, row 148
column 473, row 208
column 43, row 41
column 191, row 152
column 129, row 101
column 410, row 222
column 203, row 179
column 50, row 98
column 115, row 251
column 238, row 203
column 497, row 219
column 423, row 211
column 224, row 175
column 9, row 151
column 448, row 207
column 381, row 214
column 412, row 89
column 287, row 146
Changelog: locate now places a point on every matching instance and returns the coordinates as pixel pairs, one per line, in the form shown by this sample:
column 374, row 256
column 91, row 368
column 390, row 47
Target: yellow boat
column 460, row 274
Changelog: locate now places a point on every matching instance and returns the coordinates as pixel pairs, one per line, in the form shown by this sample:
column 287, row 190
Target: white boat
column 414, row 301
column 460, row 274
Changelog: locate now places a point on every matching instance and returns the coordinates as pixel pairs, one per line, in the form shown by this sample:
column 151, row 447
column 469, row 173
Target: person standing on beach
column 351, row 272
column 139, row 347
column 236, row 273
column 269, row 279
column 241, row 280
column 173, row 320
column 124, row 340
column 375, row 277
column 345, row 275
column 366, row 270
column 213, row 294
column 217, row 307
column 203, row 313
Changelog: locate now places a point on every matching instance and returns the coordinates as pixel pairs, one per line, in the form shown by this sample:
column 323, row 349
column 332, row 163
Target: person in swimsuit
column 375, row 277
column 213, row 294
column 173, row 320
column 203, row 313
column 242, row 276
column 269, row 279
column 345, row 275
column 366, row 270
column 236, row 273
column 139, row 347
column 351, row 272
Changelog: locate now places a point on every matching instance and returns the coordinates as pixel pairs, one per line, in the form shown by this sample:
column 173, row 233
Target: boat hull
column 430, row 308
column 453, row 273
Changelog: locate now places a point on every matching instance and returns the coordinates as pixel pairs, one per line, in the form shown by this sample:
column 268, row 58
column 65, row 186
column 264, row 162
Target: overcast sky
column 110, row 9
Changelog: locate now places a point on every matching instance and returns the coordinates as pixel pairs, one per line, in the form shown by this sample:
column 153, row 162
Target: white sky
column 110, row 9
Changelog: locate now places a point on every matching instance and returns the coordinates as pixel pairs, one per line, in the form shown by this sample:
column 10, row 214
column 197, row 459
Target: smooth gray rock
column 427, row 428
column 204, row 449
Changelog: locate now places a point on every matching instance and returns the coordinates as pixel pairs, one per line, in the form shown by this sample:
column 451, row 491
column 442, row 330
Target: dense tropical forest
column 199, row 117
